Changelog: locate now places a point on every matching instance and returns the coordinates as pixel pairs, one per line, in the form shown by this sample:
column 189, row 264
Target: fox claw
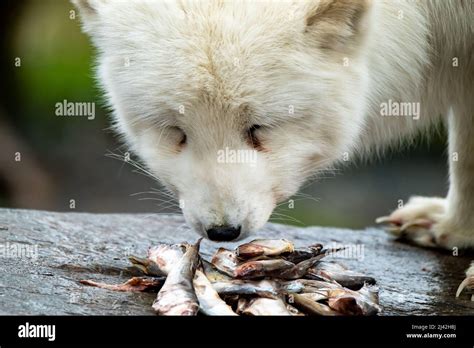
column 417, row 230
column 398, row 227
column 389, row 219
column 417, row 221
column 467, row 283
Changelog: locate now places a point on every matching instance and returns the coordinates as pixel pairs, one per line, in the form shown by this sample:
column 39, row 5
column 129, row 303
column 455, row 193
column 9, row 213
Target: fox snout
column 224, row 214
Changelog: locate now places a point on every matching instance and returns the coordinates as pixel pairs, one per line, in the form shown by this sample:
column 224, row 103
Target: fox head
column 232, row 104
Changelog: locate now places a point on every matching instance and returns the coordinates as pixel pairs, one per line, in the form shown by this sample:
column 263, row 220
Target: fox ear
column 337, row 24
column 89, row 10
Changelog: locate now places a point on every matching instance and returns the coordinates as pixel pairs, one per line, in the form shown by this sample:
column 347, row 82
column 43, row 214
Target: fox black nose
column 223, row 233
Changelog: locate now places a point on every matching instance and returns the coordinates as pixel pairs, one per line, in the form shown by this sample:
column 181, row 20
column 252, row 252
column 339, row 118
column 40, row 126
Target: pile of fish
column 262, row 277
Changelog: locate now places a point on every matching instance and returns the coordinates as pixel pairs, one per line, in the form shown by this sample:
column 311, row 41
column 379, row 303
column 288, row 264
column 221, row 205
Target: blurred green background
column 64, row 159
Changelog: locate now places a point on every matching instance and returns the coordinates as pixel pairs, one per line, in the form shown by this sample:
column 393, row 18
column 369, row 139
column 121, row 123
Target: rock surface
column 45, row 254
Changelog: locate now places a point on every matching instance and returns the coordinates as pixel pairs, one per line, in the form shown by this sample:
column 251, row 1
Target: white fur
column 233, row 64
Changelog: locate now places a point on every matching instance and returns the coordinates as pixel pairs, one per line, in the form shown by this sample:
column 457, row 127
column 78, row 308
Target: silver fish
column 318, row 295
column 212, row 273
column 352, row 302
column 177, row 296
column 338, row 273
column 135, row 284
column 296, row 256
column 299, row 270
column 344, row 301
column 345, row 304
column 209, row 301
column 291, row 287
column 264, row 247
column 309, row 306
column 266, row 306
column 308, row 285
column 261, row 265
column 262, row 288
column 300, row 254
column 146, row 266
column 262, row 268
column 165, row 256
column 338, row 298
column 225, row 261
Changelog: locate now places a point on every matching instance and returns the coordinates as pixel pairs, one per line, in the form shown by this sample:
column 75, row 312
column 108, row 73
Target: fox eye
column 179, row 137
column 252, row 137
column 183, row 137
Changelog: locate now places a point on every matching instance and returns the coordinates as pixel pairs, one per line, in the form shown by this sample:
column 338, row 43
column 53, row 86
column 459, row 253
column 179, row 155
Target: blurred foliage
column 55, row 65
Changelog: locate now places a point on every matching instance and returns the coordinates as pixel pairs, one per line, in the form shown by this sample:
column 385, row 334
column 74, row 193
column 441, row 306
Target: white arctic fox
column 299, row 83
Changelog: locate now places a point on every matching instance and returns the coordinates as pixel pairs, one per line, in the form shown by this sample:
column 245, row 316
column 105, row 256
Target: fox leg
column 445, row 222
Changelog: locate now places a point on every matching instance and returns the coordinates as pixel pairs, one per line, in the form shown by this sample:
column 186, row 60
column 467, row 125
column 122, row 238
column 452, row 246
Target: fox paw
column 419, row 221
column 468, row 283
column 423, row 221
